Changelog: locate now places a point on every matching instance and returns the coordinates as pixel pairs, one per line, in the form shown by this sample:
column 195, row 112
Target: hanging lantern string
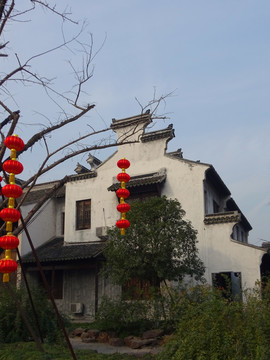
column 123, row 193
column 10, row 215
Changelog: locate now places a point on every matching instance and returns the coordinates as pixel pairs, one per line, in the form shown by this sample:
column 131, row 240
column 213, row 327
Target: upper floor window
column 239, row 234
column 83, row 214
column 62, row 223
column 205, row 202
column 215, row 207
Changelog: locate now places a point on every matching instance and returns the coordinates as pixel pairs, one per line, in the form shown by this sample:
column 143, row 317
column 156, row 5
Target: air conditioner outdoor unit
column 102, row 232
column 76, row 308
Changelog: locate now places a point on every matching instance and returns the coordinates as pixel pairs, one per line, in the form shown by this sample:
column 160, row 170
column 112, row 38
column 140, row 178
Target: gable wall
column 222, row 254
column 185, row 181
column 42, row 228
column 183, row 178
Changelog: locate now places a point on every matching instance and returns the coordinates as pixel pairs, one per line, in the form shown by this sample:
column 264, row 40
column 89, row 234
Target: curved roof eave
column 212, row 175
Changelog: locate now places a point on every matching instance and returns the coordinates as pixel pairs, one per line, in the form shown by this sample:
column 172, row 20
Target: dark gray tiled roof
column 57, row 250
column 87, row 175
column 141, row 180
column 36, row 194
column 178, row 153
column 232, row 206
column 159, row 134
column 133, row 120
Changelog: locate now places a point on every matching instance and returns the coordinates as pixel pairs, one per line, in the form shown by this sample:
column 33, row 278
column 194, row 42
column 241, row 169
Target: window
column 62, row 223
column 243, row 236
column 205, row 202
column 237, row 232
column 229, row 284
column 83, row 214
column 215, row 207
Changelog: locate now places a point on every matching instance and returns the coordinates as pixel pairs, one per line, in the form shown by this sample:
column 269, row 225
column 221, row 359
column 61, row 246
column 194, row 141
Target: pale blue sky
column 214, row 54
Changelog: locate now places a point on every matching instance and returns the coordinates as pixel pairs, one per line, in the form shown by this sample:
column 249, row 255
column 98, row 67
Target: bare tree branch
column 7, row 15
column 154, row 104
column 25, row 74
column 73, row 154
column 2, row 7
column 38, row 136
column 64, row 14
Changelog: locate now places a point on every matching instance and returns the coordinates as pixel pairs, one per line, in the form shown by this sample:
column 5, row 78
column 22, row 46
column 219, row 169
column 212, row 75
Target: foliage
column 159, row 244
column 211, row 327
column 28, row 351
column 123, row 316
column 13, row 328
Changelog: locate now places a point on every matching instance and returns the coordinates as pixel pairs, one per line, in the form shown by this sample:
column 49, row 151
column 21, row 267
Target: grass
column 28, row 351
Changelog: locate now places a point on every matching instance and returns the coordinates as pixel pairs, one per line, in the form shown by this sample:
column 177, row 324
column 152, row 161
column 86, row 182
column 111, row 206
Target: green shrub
column 12, row 326
column 123, row 316
column 161, row 310
column 213, row 328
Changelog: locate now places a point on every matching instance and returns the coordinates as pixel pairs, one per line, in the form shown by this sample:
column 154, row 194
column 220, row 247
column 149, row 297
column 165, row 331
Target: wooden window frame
column 83, row 214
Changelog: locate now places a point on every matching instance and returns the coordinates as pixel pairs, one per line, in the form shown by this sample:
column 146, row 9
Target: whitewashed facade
column 222, row 228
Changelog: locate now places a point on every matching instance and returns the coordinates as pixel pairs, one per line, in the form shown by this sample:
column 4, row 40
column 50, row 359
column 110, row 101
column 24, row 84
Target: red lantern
column 124, row 193
column 122, row 223
column 123, row 164
column 9, row 242
column 13, row 166
column 8, row 266
column 12, row 190
column 14, row 142
column 122, row 208
column 9, row 214
column 123, row 177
